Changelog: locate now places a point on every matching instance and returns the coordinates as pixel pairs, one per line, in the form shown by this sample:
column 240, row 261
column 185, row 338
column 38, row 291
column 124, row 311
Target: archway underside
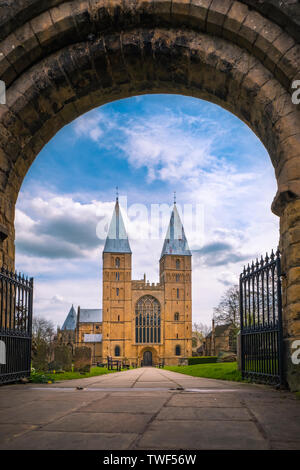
column 79, row 55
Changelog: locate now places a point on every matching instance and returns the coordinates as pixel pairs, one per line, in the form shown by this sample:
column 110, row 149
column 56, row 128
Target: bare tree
column 227, row 312
column 42, row 330
column 201, row 330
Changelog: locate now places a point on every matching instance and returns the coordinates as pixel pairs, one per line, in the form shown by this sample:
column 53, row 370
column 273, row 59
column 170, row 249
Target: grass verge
column 45, row 377
column 221, row 371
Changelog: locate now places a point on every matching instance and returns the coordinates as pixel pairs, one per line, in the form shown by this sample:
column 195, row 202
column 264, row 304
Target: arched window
column 177, row 350
column 117, row 291
column 117, row 262
column 147, row 320
column 117, row 351
column 176, row 316
column 178, row 264
column 177, row 293
column 117, row 276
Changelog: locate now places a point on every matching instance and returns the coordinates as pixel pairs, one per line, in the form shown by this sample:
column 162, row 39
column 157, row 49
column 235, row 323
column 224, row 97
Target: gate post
column 290, row 249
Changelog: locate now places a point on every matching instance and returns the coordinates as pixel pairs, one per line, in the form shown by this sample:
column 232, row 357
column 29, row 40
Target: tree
column 42, row 330
column 42, row 336
column 201, row 330
column 227, row 312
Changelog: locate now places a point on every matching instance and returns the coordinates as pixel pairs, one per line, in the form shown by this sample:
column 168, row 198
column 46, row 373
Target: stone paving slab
column 202, row 435
column 74, row 396
column 36, row 412
column 127, row 404
column 205, row 400
column 284, row 424
column 285, row 445
column 101, row 422
column 49, row 440
column 11, row 431
column 205, row 413
column 145, row 409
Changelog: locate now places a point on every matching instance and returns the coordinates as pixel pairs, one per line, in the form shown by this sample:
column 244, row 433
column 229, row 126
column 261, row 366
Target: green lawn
column 222, row 371
column 44, row 377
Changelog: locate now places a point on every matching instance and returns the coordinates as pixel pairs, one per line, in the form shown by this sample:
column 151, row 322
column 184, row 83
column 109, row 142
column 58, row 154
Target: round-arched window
column 147, row 320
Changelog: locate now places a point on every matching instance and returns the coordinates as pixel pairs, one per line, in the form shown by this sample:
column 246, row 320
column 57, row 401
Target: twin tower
column 145, row 323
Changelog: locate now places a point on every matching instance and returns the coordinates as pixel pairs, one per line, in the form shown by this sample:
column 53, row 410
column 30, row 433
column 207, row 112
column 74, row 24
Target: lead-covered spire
column 117, row 239
column 175, row 242
column 70, row 321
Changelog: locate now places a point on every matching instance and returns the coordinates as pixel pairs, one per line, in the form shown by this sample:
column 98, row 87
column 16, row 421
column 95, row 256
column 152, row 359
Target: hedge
column 201, row 360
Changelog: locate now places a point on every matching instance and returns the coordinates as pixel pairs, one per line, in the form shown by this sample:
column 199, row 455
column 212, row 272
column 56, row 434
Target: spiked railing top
column 261, row 264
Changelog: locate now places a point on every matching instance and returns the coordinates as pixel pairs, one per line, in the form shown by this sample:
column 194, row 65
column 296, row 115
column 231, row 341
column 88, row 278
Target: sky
column 149, row 147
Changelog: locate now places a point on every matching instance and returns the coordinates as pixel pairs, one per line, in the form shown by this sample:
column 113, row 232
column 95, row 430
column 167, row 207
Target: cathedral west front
column 140, row 323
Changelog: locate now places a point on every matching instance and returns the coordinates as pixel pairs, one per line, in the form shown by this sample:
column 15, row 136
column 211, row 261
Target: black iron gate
column 261, row 321
column 16, row 295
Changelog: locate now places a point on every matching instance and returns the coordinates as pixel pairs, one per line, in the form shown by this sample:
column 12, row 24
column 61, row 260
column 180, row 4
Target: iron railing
column 261, row 321
column 16, row 296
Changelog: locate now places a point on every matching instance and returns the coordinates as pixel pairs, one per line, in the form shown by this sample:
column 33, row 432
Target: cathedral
column 140, row 323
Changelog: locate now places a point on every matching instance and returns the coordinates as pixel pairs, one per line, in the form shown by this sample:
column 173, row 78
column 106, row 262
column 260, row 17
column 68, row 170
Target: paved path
column 147, row 409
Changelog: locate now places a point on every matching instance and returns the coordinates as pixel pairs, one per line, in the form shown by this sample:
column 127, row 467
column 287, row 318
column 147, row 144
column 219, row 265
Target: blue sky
column 149, row 146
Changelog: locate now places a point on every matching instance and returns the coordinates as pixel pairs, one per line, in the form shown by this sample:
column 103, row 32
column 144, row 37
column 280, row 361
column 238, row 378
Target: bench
column 113, row 364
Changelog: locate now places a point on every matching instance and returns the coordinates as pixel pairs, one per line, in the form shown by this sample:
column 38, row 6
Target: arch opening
column 211, row 52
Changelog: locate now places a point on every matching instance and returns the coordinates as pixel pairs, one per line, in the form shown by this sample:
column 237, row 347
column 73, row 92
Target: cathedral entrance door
column 147, row 358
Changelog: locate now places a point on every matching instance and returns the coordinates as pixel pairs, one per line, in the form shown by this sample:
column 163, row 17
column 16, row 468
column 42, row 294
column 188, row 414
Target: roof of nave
column 90, row 315
column 220, row 329
column 70, row 321
column 175, row 242
column 117, row 239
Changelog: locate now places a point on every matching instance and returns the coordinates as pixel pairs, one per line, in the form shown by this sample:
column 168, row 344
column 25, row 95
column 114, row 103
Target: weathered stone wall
column 290, row 247
column 96, row 347
column 60, row 59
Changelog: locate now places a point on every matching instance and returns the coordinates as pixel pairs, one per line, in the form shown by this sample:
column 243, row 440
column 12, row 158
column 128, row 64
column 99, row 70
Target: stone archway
column 148, row 356
column 60, row 59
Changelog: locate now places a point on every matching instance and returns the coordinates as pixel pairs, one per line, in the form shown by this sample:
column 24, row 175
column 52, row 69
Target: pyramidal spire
column 117, row 239
column 70, row 321
column 175, row 242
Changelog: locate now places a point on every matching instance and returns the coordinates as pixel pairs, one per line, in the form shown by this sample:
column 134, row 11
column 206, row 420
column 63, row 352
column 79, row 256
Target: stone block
column 216, row 15
column 234, row 18
column 289, row 63
column 181, row 10
column 198, row 13
column 293, row 291
column 43, row 28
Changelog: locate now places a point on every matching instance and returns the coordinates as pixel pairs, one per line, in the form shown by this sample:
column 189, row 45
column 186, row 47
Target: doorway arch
column 61, row 60
column 147, row 359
